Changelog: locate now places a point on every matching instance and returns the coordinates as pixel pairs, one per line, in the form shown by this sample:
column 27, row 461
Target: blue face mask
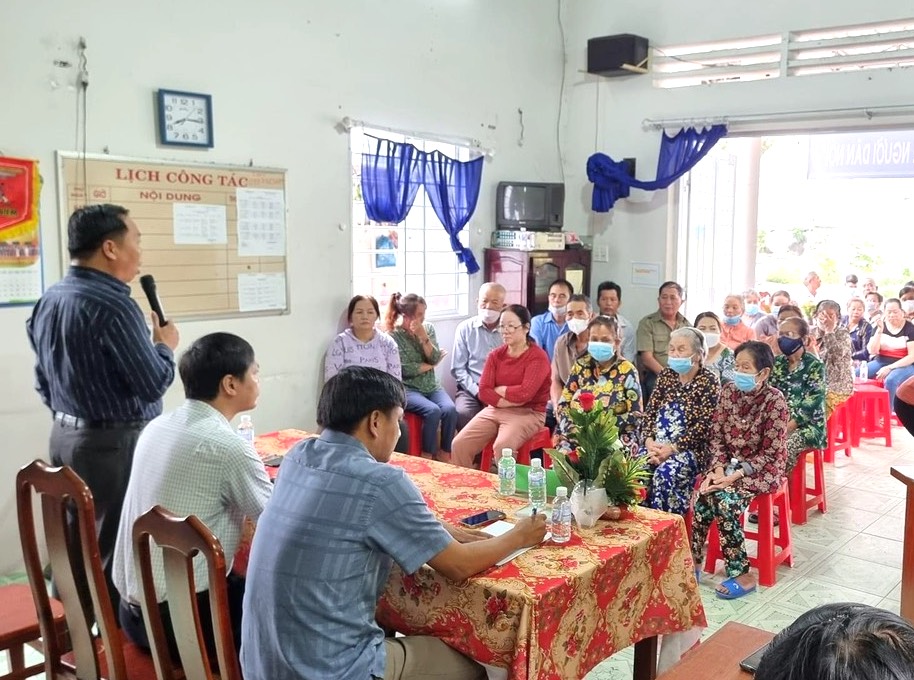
column 744, row 382
column 732, row 320
column 601, row 351
column 681, row 365
column 752, row 308
column 775, row 309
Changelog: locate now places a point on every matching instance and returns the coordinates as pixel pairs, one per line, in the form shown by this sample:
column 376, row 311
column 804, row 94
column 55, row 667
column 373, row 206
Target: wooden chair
column 19, row 626
column 181, row 539
column 94, row 657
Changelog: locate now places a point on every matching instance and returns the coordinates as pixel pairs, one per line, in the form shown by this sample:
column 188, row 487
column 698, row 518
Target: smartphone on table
column 751, row 662
column 482, row 518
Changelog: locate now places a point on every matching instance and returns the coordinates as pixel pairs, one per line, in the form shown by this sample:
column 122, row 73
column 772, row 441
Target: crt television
column 536, row 206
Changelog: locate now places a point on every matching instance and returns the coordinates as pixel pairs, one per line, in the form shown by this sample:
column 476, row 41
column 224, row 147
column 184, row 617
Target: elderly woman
column 859, row 329
column 801, row 378
column 720, row 357
column 677, row 422
column 363, row 345
column 515, row 388
column 892, row 348
column 835, row 352
column 734, row 331
column 419, row 354
column 747, row 443
column 605, row 373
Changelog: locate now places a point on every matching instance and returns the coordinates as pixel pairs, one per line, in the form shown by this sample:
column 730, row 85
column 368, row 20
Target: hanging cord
column 82, row 85
column 558, row 120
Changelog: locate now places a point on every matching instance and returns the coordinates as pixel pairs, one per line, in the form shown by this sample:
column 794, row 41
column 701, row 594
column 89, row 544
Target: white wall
column 282, row 73
column 606, row 114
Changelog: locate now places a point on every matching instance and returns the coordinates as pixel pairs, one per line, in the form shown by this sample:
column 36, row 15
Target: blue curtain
column 391, row 176
column 453, row 188
column 678, row 155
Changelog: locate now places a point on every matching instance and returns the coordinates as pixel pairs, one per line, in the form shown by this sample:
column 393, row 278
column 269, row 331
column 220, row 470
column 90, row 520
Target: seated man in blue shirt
column 546, row 328
column 338, row 518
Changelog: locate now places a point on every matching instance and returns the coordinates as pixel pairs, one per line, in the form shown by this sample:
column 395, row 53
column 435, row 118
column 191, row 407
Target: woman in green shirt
column 419, row 354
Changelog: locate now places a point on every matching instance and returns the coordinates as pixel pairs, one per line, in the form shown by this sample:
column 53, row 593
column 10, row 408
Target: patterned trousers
column 671, row 485
column 795, row 446
column 726, row 506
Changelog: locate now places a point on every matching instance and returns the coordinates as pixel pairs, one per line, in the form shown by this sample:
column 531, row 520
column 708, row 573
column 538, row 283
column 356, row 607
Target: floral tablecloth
column 556, row 611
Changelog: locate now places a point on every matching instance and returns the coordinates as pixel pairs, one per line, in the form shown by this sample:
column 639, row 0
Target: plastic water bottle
column 507, row 473
column 864, row 371
column 536, row 483
column 246, row 429
column 561, row 516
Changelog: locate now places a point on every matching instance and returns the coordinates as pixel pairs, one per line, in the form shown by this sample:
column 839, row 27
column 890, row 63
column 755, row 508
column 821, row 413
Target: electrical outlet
column 600, row 253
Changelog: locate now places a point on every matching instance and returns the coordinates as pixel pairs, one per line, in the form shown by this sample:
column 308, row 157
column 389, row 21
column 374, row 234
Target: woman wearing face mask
column 515, row 388
column 906, row 295
column 892, row 346
column 677, row 422
column 720, row 357
column 835, row 351
column 747, row 444
column 734, row 331
column 753, row 313
column 607, row 375
column 801, row 378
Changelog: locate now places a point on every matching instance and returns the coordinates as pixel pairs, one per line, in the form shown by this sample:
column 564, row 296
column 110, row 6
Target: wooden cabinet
column 527, row 275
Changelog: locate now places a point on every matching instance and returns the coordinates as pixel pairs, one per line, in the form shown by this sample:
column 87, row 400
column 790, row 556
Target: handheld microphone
column 149, row 287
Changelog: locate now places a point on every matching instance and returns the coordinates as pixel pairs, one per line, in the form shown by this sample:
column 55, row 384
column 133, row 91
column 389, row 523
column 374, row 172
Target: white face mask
column 908, row 306
column 577, row 326
column 489, row 316
column 558, row 311
column 713, row 339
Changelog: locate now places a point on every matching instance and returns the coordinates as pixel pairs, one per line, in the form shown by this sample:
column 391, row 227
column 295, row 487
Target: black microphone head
column 148, row 283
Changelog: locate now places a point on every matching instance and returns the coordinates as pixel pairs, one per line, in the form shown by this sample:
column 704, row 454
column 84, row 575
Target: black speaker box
column 617, row 55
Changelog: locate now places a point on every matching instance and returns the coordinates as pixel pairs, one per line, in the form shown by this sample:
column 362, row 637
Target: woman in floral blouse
column 677, row 422
column 835, row 351
column 801, row 378
column 720, row 357
column 748, row 448
column 603, row 372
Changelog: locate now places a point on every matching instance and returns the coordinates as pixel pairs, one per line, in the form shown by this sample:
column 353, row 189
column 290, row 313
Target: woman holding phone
column 748, row 445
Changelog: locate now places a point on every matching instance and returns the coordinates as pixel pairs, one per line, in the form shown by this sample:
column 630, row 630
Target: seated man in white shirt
column 609, row 299
column 474, row 339
column 191, row 462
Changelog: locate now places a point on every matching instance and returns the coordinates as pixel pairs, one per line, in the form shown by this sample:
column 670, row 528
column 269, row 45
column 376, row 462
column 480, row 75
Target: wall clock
column 185, row 118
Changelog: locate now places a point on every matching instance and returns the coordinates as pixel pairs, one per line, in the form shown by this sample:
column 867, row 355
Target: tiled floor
column 852, row 553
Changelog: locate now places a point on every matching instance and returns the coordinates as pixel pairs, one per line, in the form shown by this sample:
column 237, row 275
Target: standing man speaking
column 96, row 368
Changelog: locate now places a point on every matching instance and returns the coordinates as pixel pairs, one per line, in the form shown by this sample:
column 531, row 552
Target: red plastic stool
column 872, row 413
column 802, row 496
column 768, row 558
column 414, row 423
column 541, row 440
column 839, row 430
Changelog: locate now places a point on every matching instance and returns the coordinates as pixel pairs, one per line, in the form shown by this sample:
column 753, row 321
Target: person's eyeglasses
column 508, row 329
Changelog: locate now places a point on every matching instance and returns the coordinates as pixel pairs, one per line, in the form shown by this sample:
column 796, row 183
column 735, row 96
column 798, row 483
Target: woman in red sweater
column 514, row 386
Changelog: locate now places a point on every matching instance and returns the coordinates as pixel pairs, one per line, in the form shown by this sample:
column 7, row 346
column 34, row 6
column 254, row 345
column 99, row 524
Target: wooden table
column 906, row 476
column 718, row 657
column 556, row 611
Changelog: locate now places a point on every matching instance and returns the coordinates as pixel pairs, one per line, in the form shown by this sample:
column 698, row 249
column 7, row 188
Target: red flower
column 586, row 400
column 642, row 493
column 496, row 605
column 573, row 457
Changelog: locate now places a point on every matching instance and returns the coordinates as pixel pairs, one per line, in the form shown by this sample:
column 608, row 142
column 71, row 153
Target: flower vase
column 588, row 503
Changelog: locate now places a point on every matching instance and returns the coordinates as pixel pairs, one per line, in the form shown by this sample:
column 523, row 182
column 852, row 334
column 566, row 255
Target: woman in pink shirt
column 734, row 332
column 515, row 388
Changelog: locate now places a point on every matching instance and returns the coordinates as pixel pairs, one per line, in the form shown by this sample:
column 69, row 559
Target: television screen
column 524, row 203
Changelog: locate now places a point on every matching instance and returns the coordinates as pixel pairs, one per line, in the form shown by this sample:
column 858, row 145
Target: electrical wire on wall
column 558, row 120
column 82, row 85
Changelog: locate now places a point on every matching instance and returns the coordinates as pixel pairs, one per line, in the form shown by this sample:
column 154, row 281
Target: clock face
column 185, row 118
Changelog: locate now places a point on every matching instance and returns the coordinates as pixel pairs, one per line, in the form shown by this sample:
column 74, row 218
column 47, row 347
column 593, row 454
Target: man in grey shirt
column 474, row 339
column 339, row 517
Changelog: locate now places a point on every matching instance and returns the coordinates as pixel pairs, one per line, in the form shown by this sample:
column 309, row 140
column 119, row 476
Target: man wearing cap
column 96, row 368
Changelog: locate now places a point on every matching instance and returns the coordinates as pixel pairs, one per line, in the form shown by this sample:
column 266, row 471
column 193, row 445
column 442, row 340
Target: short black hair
column 877, row 294
column 580, row 297
column 708, row 315
column 762, row 356
column 609, row 285
column 209, row 359
column 832, row 305
column 92, row 225
column 673, row 285
column 851, row 278
column 790, row 308
column 841, row 641
column 357, row 299
column 563, row 282
column 354, row 393
column 907, row 290
column 780, row 293
column 523, row 315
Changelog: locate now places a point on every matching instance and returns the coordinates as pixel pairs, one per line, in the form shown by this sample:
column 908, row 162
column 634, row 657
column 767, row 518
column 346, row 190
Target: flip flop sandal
column 734, row 590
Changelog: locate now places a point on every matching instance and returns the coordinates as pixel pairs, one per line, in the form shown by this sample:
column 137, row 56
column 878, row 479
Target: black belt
column 67, row 420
